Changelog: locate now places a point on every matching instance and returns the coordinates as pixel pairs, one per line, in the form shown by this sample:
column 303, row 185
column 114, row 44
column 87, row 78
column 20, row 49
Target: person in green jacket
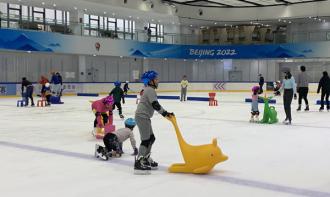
column 118, row 95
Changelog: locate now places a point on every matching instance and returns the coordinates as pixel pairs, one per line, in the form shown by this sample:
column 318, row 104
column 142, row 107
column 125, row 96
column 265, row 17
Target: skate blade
column 142, row 172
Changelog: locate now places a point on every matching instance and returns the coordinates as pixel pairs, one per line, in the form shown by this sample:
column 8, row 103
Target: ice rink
column 49, row 152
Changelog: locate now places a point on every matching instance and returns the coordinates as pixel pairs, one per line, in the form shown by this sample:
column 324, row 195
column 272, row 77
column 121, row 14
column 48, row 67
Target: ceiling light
column 215, row 23
column 113, row 14
column 137, row 17
column 54, row 5
column 85, row 9
column 129, row 16
column 43, row 3
column 104, row 12
column 94, row 55
column 75, row 8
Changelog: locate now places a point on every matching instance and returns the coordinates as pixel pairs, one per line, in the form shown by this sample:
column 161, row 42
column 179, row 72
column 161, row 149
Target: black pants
column 326, row 95
column 287, row 100
column 303, row 91
column 118, row 104
column 28, row 94
column 104, row 117
column 111, row 142
column 260, row 89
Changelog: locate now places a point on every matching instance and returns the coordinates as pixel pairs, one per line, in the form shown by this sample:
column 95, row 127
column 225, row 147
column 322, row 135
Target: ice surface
column 49, row 151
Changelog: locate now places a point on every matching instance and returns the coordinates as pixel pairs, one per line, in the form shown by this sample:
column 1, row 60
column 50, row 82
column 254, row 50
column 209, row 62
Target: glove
column 167, row 114
column 295, row 96
column 136, row 152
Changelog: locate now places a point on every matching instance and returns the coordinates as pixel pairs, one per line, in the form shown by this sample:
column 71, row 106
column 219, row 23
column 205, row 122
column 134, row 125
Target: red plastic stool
column 212, row 100
column 41, row 103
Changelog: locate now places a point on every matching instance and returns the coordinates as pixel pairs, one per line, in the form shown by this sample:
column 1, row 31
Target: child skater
column 254, row 105
column 113, row 141
column 143, row 114
column 118, row 95
column 103, row 112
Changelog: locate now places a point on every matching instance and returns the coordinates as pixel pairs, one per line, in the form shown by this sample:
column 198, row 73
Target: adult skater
column 302, row 88
column 113, row 141
column 28, row 91
column 144, row 112
column 324, row 86
column 261, row 83
column 184, row 84
column 289, row 86
column 56, row 84
column 118, row 95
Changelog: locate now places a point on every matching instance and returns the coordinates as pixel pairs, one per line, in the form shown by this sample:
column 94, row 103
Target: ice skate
column 307, row 108
column 141, row 167
column 100, row 152
column 153, row 165
column 121, row 116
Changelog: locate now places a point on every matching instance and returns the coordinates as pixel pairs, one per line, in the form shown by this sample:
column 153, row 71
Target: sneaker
column 100, row 152
column 141, row 166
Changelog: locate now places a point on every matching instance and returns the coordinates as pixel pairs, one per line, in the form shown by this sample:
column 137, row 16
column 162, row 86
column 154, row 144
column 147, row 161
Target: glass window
column 50, row 15
column 59, row 17
column 94, row 17
column 101, row 22
column 86, row 20
column 14, row 14
column 3, row 23
column 14, row 6
column 38, row 17
column 3, row 8
column 68, row 18
column 120, row 25
column 36, row 9
column 25, row 12
column 94, row 24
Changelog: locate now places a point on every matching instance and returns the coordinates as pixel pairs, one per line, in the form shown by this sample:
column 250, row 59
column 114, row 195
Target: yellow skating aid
column 198, row 159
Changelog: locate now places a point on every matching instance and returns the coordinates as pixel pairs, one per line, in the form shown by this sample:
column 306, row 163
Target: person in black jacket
column 28, row 91
column 261, row 83
column 324, row 84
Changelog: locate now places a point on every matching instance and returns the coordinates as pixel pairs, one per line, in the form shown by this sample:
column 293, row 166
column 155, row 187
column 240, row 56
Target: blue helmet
column 130, row 123
column 148, row 76
column 117, row 83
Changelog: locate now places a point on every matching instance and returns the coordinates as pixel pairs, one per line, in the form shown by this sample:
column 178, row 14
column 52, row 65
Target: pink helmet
column 108, row 100
column 255, row 88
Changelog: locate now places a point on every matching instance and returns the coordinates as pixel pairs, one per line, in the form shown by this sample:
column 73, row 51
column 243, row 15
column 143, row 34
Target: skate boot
column 100, row 152
column 121, row 116
column 141, row 166
column 321, row 109
column 251, row 119
column 299, row 108
column 307, row 108
column 153, row 165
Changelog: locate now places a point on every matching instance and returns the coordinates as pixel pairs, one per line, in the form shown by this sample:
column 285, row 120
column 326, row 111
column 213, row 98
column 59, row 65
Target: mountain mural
column 22, row 42
column 281, row 52
column 139, row 53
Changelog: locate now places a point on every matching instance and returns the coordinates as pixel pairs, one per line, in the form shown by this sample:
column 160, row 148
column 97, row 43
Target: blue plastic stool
column 21, row 103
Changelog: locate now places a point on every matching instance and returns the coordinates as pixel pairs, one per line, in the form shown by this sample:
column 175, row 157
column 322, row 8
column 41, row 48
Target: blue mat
column 318, row 102
column 248, row 100
column 87, row 94
column 169, row 97
column 131, row 96
column 198, row 99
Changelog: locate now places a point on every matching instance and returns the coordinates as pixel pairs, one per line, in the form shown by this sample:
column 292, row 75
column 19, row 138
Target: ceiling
column 237, row 3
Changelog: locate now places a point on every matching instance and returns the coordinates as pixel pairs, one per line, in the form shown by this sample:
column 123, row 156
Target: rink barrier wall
column 72, row 88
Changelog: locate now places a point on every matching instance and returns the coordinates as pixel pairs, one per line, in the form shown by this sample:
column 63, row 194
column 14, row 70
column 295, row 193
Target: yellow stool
column 198, row 159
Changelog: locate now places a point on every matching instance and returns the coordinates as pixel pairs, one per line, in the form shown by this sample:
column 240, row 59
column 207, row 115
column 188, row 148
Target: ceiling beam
column 251, row 2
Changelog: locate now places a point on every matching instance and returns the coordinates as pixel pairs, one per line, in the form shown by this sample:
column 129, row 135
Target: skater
column 277, row 87
column 254, row 105
column 103, row 111
column 144, row 112
column 324, row 84
column 126, row 88
column 289, row 86
column 184, row 85
column 261, row 83
column 56, row 84
column 46, row 93
column 113, row 141
column 28, row 91
column 302, row 88
column 118, row 95
column 61, row 82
